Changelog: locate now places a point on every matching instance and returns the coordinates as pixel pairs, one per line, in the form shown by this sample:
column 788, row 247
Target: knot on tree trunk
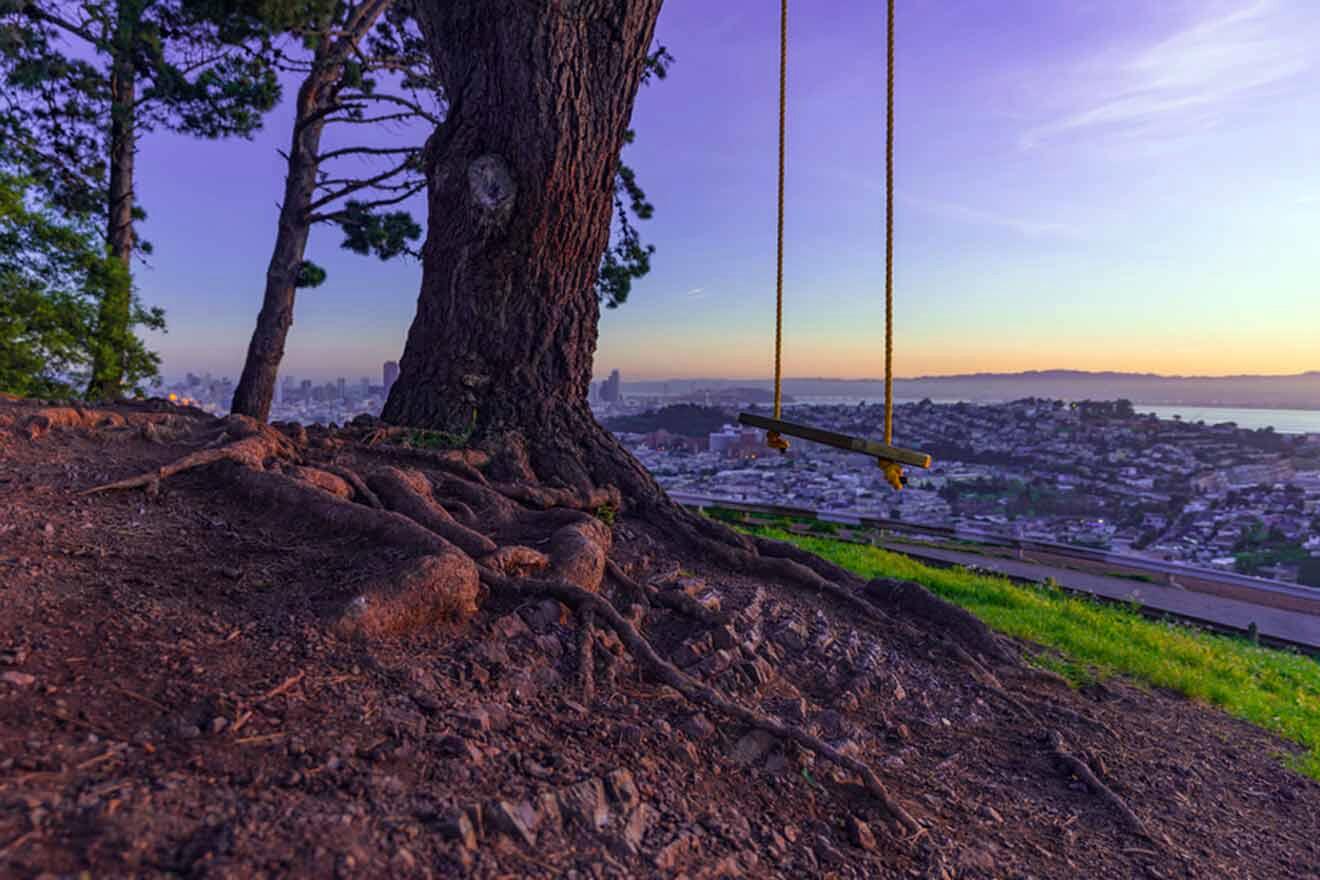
column 493, row 189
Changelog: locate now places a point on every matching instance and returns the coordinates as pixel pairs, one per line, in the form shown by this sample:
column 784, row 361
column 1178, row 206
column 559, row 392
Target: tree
column 519, row 214
column 84, row 81
column 351, row 46
column 53, row 272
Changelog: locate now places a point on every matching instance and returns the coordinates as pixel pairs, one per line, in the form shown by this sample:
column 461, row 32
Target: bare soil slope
column 191, row 683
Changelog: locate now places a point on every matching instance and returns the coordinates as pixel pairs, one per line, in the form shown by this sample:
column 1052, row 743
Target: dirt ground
column 175, row 700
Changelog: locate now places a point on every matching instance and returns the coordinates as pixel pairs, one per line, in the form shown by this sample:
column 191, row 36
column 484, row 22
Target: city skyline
column 1101, row 186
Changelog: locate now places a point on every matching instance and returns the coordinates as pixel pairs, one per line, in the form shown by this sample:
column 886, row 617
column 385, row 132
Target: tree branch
column 377, row 203
column 367, row 151
column 33, row 11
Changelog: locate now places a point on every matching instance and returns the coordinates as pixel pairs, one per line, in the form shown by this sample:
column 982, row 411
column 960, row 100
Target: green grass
column 1277, row 690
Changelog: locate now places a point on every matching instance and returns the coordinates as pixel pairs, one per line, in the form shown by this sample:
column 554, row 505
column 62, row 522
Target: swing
column 890, row 458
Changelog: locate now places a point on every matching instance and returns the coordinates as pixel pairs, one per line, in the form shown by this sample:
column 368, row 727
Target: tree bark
column 114, row 318
column 256, row 387
column 521, row 176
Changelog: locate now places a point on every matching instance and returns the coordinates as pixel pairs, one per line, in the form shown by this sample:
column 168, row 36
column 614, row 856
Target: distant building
column 609, row 389
column 390, row 375
column 341, row 387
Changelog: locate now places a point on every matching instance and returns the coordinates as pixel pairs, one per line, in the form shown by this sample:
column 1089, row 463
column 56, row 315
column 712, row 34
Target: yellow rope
column 773, row 438
column 893, row 470
column 889, row 233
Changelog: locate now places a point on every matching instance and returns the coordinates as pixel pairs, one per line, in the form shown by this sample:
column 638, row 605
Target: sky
column 1120, row 184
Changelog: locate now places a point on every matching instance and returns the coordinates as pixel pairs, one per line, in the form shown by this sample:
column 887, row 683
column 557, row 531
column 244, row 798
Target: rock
column 827, row 852
column 454, row 746
column 547, row 806
column 551, row 646
column 792, row 635
column 715, row 664
column 860, row 834
column 457, row 826
column 544, row 615
column 684, row 750
column 585, row 804
column 989, row 812
column 639, row 822
column 698, row 727
column 513, row 820
column 630, row 734
column 689, row 585
column 725, row 637
column 219, row 723
column 473, row 721
column 673, row 853
column 499, row 716
column 510, row 626
column 622, row 789
column 759, row 671
column 751, row 747
column 18, row 679
column 493, row 653
column 687, row 654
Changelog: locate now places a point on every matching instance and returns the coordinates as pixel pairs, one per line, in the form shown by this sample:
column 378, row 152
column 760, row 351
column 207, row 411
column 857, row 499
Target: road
column 1279, row 623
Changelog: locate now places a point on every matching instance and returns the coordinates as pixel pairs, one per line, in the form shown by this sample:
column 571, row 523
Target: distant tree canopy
column 687, row 419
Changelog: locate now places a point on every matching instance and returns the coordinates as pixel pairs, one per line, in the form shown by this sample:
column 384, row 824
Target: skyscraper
column 390, row 374
column 609, row 389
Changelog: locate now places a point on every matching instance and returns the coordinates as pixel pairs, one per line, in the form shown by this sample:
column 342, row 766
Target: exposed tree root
column 484, row 502
column 1079, row 768
column 337, row 516
column 254, row 447
column 545, row 497
column 514, row 560
column 465, row 463
column 578, row 552
column 360, row 488
column 420, row 592
column 322, row 479
column 915, row 600
column 674, row 600
column 822, row 567
column 703, row 695
column 586, row 657
column 409, row 492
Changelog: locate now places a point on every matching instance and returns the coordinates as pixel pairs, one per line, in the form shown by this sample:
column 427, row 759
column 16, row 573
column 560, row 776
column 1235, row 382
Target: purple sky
column 1124, row 185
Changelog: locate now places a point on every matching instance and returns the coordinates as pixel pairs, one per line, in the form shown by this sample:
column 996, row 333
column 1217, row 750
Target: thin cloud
column 1190, row 80
column 696, row 291
column 1027, row 228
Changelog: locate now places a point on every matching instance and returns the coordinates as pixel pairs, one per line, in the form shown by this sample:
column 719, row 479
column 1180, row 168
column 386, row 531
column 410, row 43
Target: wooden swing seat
column 838, row 441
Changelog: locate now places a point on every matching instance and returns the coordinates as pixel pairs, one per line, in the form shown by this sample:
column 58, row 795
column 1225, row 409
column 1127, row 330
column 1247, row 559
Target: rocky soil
column 202, row 680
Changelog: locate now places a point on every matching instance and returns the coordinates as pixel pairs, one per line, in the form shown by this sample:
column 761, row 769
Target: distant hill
column 684, row 418
column 1300, row 391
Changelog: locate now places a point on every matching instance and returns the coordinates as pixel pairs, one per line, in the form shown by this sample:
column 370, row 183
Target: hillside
column 202, row 678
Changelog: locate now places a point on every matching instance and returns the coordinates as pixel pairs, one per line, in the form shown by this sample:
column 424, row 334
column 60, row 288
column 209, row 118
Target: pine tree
column 84, row 81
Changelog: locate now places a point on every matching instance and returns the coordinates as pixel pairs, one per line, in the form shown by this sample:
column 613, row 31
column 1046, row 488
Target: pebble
column 860, row 834
column 698, row 727
column 18, row 679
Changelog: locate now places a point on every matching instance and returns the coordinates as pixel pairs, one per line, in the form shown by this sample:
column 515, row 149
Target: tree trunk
column 521, row 179
column 256, row 387
column 114, row 318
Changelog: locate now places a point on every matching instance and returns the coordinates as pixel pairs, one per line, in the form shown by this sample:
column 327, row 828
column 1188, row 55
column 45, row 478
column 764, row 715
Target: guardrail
column 994, row 539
